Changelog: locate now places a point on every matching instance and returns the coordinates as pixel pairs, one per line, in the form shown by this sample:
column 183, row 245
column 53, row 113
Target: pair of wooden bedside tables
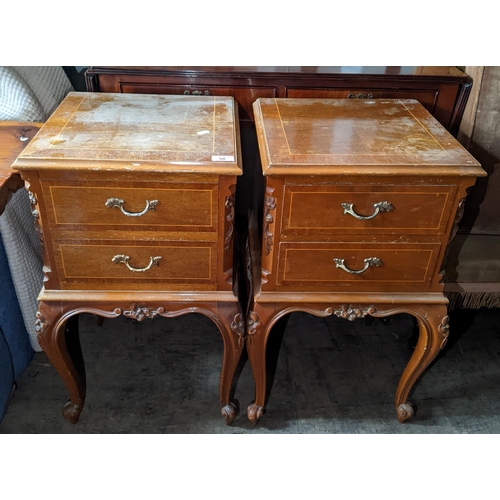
column 134, row 199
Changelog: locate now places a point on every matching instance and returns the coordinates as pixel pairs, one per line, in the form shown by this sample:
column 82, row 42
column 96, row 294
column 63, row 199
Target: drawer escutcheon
column 381, row 206
column 118, row 203
column 370, row 261
column 123, row 259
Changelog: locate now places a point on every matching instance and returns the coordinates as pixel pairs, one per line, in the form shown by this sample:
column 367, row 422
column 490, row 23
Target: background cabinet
column 442, row 90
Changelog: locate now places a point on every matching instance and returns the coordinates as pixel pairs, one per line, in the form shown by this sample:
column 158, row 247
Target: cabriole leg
column 433, row 334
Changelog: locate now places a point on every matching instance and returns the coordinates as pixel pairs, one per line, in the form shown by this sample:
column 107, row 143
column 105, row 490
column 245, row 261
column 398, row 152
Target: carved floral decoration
column 444, row 330
column 270, row 204
column 238, row 327
column 229, row 204
column 352, row 312
column 141, row 313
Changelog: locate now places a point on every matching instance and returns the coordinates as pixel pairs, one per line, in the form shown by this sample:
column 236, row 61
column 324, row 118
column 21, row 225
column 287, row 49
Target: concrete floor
column 330, row 376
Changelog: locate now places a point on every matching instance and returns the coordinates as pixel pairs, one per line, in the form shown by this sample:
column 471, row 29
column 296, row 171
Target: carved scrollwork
column 253, row 323
column 238, row 327
column 33, row 204
column 270, row 204
column 38, row 228
column 41, row 323
column 444, row 330
column 229, row 204
column 405, row 411
column 141, row 313
column 352, row 312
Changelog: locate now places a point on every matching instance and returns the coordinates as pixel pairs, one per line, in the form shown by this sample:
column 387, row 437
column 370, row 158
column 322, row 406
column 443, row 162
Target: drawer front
column 367, row 209
column 375, row 265
column 188, row 207
column 426, row 97
column 244, row 96
column 107, row 265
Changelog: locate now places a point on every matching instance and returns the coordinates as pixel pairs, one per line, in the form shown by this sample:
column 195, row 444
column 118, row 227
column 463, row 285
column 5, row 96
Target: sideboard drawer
column 426, row 97
column 120, row 265
column 180, row 207
column 244, row 96
column 314, row 264
column 370, row 209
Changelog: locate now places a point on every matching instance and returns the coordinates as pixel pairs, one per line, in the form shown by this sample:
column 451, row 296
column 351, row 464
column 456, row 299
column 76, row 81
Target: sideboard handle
column 124, row 259
column 359, row 96
column 197, row 92
column 370, row 261
column 381, row 206
column 118, row 203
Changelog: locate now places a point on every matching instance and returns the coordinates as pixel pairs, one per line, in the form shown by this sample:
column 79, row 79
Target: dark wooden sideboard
column 442, row 90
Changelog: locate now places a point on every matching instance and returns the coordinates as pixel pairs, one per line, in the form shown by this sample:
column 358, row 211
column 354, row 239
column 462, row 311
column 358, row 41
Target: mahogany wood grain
column 309, row 255
column 134, row 201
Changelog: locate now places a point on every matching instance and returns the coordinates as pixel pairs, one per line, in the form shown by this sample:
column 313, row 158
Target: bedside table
column 361, row 199
column 133, row 196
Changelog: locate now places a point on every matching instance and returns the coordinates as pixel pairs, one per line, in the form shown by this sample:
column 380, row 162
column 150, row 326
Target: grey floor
column 328, row 376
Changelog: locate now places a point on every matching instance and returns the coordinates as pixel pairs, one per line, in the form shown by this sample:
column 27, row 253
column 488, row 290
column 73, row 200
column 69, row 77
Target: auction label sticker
column 222, row 158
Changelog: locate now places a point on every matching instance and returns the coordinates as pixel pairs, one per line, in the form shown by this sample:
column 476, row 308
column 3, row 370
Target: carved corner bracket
column 270, row 205
column 253, row 323
column 238, row 327
column 229, row 204
column 444, row 330
column 41, row 323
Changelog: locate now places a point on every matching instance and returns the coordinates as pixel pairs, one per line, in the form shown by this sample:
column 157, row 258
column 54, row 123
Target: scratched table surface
column 130, row 131
column 299, row 134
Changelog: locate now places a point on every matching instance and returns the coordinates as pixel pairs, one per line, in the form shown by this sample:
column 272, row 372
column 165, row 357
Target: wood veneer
column 134, row 199
column 361, row 199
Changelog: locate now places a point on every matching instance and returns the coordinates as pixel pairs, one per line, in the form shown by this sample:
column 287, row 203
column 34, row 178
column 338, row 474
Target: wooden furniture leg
column 433, row 334
column 232, row 329
column 259, row 323
column 57, row 327
column 59, row 339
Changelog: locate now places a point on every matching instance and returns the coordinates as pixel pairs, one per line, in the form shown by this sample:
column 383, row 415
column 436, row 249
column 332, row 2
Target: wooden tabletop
column 166, row 133
column 346, row 136
column 14, row 136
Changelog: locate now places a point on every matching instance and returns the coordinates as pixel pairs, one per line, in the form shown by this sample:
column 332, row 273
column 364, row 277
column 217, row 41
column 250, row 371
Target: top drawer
column 367, row 209
column 179, row 207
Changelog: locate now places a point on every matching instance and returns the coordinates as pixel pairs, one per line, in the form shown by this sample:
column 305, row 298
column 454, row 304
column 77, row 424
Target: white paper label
column 222, row 158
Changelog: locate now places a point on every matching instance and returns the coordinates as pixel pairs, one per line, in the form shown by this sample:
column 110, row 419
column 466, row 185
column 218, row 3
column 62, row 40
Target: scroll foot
column 71, row 412
column 254, row 413
column 405, row 411
column 230, row 411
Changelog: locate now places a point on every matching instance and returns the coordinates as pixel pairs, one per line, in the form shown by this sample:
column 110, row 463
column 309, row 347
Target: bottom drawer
column 115, row 265
column 355, row 265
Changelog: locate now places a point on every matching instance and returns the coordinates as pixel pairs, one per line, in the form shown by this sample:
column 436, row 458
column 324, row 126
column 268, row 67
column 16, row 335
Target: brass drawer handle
column 197, row 92
column 381, row 206
column 370, row 261
column 123, row 259
column 118, row 203
column 360, row 96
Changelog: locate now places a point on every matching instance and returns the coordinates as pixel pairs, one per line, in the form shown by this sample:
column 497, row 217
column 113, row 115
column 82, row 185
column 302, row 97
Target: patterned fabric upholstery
column 27, row 93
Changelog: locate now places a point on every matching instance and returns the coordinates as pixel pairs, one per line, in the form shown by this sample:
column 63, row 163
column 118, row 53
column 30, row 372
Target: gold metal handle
column 197, row 92
column 370, row 261
column 359, row 96
column 118, row 203
column 381, row 206
column 123, row 259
